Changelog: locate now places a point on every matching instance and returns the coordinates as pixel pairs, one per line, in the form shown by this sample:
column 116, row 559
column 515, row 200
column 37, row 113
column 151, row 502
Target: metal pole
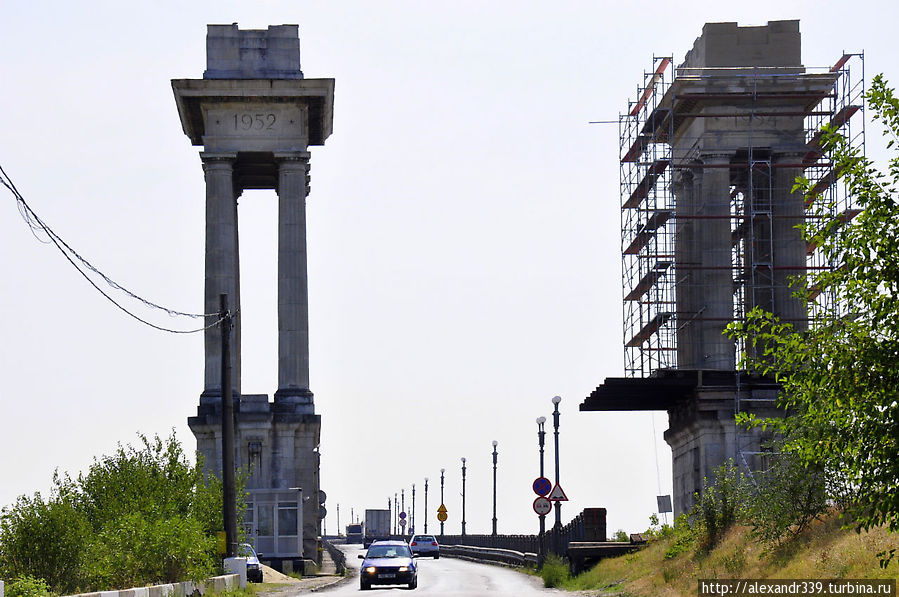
column 443, row 470
column 338, row 520
column 463, row 497
column 558, row 504
column 229, row 490
column 541, row 540
column 494, row 487
column 396, row 523
column 412, row 526
column 403, row 511
column 426, row 505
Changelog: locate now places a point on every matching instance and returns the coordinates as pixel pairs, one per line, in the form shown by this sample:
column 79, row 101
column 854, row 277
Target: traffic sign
column 402, row 515
column 542, row 486
column 441, row 516
column 558, row 495
column 442, row 508
column 322, row 511
column 403, row 522
column 542, row 506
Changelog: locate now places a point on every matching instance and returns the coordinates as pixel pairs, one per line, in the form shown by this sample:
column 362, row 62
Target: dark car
column 388, row 563
column 424, row 545
column 254, row 570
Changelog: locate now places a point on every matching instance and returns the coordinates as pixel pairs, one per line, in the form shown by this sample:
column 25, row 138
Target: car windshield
column 246, row 551
column 388, row 551
column 423, row 538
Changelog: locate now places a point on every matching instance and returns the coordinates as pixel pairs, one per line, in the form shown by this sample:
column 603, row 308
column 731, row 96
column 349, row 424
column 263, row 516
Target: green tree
column 840, row 378
column 43, row 539
column 142, row 515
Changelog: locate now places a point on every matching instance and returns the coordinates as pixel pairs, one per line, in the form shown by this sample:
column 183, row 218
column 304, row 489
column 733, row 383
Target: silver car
column 425, row 545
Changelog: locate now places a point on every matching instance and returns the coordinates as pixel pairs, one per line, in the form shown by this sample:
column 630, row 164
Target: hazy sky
column 463, row 236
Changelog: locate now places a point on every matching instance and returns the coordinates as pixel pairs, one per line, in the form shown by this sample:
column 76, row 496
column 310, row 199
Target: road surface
column 448, row 577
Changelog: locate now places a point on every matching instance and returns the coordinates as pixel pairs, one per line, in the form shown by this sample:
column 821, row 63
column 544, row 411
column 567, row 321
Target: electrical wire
column 37, row 226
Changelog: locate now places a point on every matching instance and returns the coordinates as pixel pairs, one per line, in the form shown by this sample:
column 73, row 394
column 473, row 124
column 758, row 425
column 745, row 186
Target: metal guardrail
column 336, row 554
column 508, row 557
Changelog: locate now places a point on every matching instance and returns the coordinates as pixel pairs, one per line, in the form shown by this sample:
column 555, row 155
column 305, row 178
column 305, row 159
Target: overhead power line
column 38, row 226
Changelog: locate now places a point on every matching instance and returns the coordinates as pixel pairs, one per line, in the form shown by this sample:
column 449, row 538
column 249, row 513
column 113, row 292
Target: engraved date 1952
column 254, row 122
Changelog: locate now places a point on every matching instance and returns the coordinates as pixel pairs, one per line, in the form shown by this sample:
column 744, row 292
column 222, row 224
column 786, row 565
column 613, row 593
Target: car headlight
column 371, row 570
column 403, row 569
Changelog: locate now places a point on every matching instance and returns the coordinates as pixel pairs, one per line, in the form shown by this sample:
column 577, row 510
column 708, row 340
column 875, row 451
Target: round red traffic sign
column 542, row 486
column 542, row 506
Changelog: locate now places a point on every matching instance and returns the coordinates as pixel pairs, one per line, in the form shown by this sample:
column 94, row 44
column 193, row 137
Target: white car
column 425, row 545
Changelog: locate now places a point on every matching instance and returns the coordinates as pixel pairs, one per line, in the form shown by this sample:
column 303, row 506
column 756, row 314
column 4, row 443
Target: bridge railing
column 589, row 525
column 336, row 554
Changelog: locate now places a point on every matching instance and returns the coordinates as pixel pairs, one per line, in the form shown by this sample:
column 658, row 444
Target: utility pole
column 229, row 490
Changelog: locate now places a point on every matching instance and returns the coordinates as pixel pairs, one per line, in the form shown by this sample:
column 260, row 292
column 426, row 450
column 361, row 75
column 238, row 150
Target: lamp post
column 412, row 525
column 494, row 486
column 558, row 504
column 541, row 435
column 443, row 470
column 403, row 511
column 463, row 496
column 426, row 505
column 396, row 516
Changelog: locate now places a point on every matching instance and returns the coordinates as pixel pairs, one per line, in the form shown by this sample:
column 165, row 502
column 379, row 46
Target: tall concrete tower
column 709, row 156
column 256, row 116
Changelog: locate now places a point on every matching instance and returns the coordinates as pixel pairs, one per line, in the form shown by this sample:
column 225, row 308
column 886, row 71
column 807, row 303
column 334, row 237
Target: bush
column 27, row 586
column 621, row 535
column 554, row 572
column 141, row 516
column 720, row 505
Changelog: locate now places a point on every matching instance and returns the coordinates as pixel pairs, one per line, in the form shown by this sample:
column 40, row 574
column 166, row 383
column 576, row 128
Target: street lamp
column 443, row 470
column 426, row 505
column 403, row 512
column 463, row 496
column 541, row 435
column 494, row 486
column 556, row 401
column 412, row 526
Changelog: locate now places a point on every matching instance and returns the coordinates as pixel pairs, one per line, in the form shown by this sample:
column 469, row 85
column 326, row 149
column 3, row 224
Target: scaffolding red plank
column 839, row 64
column 648, row 281
column 649, row 88
column 842, row 218
column 642, row 189
column 636, row 149
column 839, row 119
column 649, row 329
column 656, row 221
column 824, row 183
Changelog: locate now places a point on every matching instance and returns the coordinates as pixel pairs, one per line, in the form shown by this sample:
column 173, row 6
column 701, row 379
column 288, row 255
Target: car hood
column 388, row 562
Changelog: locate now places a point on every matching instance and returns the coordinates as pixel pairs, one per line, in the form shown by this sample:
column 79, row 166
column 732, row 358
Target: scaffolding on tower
column 669, row 280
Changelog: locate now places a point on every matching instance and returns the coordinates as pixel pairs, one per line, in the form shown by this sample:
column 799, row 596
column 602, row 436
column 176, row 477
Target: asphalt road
column 449, row 577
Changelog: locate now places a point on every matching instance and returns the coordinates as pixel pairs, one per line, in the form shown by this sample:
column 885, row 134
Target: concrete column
column 715, row 278
column 685, row 260
column 293, row 303
column 789, row 259
column 222, row 266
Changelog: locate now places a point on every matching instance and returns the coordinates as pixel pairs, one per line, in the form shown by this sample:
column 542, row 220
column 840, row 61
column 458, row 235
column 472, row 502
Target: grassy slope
column 824, row 551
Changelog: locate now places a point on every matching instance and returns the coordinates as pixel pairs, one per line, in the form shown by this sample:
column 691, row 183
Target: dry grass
column 825, row 550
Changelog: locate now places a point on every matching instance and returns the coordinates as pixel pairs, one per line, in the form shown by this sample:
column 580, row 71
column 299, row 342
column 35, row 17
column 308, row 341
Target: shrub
column 554, row 572
column 720, row 505
column 27, row 586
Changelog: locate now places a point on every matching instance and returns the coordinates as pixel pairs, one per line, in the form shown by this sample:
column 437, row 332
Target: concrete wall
column 216, row 584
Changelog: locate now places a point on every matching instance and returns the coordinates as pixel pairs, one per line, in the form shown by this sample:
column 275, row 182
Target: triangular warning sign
column 557, row 495
column 442, row 508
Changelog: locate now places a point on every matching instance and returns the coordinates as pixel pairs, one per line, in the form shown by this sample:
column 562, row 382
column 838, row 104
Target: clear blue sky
column 464, row 252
